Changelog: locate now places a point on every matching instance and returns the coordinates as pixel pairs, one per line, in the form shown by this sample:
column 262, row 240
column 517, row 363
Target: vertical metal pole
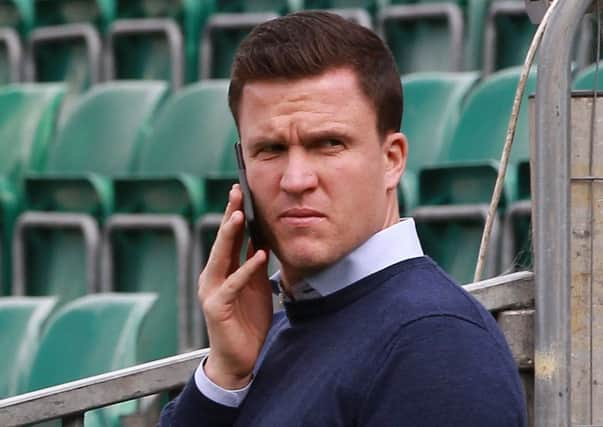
column 551, row 217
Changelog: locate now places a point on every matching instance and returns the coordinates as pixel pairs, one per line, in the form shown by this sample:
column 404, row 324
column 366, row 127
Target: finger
column 225, row 252
column 243, row 276
column 217, row 253
column 235, row 199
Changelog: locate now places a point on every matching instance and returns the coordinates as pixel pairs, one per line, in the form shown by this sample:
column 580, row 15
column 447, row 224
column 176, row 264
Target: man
column 373, row 332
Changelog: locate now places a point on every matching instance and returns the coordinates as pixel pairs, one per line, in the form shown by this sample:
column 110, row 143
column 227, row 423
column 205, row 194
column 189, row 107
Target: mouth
column 301, row 217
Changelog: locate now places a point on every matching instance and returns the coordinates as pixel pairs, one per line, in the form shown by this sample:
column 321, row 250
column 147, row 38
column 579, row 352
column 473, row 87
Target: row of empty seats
column 88, row 336
column 84, row 42
column 115, row 197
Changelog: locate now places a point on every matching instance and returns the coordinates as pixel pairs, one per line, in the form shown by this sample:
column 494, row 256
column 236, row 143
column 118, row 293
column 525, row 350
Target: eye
column 330, row 143
column 270, row 150
column 273, row 148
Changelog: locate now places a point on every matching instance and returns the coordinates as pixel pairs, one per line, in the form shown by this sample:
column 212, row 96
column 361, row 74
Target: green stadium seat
column 228, row 25
column 148, row 238
column 358, row 11
column 426, row 35
column 156, row 40
column 508, row 34
column 454, row 195
column 21, row 320
column 90, row 336
column 432, row 105
column 585, row 79
column 56, row 241
column 28, row 114
column 15, row 23
column 66, row 43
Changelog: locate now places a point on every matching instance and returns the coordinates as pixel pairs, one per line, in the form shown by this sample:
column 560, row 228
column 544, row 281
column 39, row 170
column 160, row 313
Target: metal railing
column 70, row 401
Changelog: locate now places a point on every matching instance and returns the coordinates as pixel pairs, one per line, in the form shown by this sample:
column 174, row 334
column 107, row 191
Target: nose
column 299, row 175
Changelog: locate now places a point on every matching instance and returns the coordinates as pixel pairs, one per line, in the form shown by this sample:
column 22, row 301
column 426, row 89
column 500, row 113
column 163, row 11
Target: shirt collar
column 389, row 246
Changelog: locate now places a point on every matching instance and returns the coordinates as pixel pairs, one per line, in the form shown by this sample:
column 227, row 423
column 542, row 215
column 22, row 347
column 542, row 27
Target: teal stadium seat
column 361, row 12
column 66, row 43
column 15, row 24
column 28, row 115
column 424, row 35
column 585, row 79
column 228, row 25
column 156, row 40
column 90, row 336
column 432, row 105
column 454, row 194
column 21, row 323
column 57, row 239
column 508, row 35
column 149, row 239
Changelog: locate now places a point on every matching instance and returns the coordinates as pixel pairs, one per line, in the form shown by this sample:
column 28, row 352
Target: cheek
column 264, row 184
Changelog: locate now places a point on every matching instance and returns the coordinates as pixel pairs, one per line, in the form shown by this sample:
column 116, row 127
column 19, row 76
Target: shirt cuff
column 231, row 398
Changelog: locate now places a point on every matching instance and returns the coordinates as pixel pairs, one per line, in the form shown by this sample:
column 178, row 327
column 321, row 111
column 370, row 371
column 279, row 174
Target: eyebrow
column 307, row 138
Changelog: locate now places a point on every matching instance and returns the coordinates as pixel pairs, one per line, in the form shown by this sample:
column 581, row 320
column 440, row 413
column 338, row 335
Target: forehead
column 333, row 97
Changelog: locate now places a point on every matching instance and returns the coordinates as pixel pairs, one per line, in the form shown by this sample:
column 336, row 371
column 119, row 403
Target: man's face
column 322, row 179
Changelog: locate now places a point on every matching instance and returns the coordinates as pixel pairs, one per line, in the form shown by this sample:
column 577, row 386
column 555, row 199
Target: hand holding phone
column 251, row 222
column 236, row 298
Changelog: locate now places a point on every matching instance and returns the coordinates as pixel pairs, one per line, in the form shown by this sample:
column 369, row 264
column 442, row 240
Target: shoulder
column 423, row 290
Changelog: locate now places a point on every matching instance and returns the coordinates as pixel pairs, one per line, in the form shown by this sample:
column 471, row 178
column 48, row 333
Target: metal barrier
column 551, row 217
column 70, row 401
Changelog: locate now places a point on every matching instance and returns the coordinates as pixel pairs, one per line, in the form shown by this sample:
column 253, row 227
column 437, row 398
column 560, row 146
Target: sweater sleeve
column 192, row 408
column 444, row 370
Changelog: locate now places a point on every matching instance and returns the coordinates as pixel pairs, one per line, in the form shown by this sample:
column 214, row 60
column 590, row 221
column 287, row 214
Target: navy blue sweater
column 405, row 346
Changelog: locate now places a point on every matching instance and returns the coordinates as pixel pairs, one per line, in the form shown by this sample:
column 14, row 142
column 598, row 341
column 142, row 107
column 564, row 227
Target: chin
column 308, row 259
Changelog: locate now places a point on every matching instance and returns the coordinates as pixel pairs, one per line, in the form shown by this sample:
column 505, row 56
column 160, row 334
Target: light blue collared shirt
column 387, row 247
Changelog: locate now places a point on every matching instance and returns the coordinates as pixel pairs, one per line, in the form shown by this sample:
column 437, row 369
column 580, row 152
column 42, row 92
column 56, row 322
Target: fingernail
column 234, row 216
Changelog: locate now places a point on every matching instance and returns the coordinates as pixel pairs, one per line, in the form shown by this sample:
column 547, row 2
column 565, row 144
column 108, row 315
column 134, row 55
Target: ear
column 395, row 153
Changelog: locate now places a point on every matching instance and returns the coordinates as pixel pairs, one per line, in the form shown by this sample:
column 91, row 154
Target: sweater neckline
column 306, row 310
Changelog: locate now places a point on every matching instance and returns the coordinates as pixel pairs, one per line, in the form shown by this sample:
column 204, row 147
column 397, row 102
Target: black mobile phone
column 253, row 228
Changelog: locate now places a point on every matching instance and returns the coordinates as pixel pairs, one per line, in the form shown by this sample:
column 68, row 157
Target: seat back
column 146, row 54
column 168, row 177
column 514, row 33
column 202, row 109
column 62, row 12
column 28, row 115
column 89, row 336
column 225, row 41
column 432, row 105
column 467, row 169
column 102, row 133
column 419, row 43
column 21, row 321
column 66, row 41
column 585, row 79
